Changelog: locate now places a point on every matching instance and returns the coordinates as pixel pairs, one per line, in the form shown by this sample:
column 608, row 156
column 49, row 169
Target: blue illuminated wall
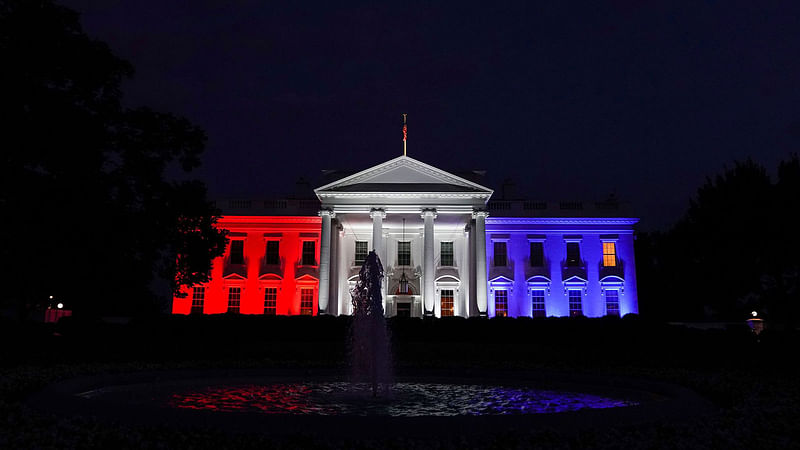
column 555, row 277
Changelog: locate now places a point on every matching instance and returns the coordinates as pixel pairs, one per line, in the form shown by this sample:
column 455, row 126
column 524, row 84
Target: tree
column 90, row 214
column 733, row 252
column 780, row 284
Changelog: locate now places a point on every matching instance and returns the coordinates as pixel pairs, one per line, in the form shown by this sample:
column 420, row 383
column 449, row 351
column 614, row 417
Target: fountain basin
column 420, row 403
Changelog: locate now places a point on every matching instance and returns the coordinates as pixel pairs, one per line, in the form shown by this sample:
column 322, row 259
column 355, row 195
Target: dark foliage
column 91, row 215
column 735, row 250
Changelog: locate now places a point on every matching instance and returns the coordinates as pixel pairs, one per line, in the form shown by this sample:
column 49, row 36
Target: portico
column 426, row 225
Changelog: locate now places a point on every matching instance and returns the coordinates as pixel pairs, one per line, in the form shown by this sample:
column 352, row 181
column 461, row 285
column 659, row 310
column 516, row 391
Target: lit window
column 501, row 303
column 306, row 302
column 270, row 301
column 537, row 302
column 361, row 252
column 500, row 254
column 403, row 253
column 609, row 254
column 573, row 254
column 309, row 253
column 237, row 252
column 198, row 297
column 612, row 302
column 273, row 253
column 575, row 297
column 447, row 302
column 446, row 254
column 537, row 254
column 234, row 299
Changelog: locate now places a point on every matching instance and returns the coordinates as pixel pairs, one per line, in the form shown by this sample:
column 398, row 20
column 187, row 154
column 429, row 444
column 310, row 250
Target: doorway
column 403, row 309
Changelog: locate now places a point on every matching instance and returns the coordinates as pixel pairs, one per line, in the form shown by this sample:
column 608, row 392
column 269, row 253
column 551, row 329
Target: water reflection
column 405, row 399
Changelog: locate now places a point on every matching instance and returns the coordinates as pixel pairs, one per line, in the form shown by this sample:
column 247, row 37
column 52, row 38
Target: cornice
column 561, row 221
column 270, row 219
column 404, row 195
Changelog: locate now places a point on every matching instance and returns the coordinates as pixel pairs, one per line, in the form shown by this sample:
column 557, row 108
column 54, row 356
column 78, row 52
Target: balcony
column 447, row 271
column 238, row 269
column 569, row 271
column 501, row 271
column 542, row 271
column 612, row 271
column 271, row 269
column 306, row 269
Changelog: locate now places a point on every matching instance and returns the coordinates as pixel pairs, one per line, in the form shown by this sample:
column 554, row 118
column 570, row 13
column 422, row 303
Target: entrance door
column 403, row 309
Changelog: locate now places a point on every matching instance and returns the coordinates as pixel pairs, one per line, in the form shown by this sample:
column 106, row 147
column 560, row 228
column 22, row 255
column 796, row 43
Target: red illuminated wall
column 289, row 277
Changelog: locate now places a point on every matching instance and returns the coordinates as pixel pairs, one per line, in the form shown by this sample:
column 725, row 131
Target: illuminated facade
column 447, row 250
column 271, row 266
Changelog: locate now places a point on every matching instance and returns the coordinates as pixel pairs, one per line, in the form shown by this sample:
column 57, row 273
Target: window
column 361, row 252
column 501, row 302
column 309, row 253
column 306, row 301
column 237, row 252
column 537, row 302
column 446, row 254
column 403, row 253
column 273, row 252
column 500, row 254
column 573, row 254
column 447, row 302
column 575, row 308
column 198, row 297
column 612, row 302
column 234, row 299
column 609, row 254
column 270, row 300
column 537, row 254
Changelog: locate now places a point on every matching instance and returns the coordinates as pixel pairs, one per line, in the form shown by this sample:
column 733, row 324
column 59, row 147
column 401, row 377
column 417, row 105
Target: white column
column 344, row 286
column 325, row 261
column 333, row 296
column 377, row 216
column 480, row 261
column 428, row 269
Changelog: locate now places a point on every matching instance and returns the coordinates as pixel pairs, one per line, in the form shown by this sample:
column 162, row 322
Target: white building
column 432, row 228
column 461, row 253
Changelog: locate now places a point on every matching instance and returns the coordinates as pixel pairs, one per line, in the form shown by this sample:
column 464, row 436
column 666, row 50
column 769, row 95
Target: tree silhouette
column 733, row 252
column 90, row 215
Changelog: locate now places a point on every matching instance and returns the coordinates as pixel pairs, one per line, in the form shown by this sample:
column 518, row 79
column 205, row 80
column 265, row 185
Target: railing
column 574, row 206
column 499, row 205
column 534, row 205
column 240, row 204
column 275, row 204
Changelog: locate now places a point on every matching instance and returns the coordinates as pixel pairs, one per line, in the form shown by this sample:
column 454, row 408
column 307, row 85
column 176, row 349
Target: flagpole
column 405, row 133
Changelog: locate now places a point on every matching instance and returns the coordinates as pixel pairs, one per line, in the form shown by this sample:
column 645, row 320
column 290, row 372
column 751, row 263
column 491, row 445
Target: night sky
column 572, row 102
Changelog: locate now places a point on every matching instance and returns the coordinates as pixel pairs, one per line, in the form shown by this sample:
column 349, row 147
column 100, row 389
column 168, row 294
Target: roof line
column 400, row 158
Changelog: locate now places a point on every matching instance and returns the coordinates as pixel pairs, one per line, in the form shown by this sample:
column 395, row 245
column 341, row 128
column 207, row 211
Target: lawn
column 749, row 379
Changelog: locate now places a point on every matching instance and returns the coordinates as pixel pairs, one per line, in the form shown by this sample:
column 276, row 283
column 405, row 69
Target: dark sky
column 572, row 102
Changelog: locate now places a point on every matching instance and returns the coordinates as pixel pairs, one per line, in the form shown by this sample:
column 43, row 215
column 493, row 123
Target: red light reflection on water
column 284, row 398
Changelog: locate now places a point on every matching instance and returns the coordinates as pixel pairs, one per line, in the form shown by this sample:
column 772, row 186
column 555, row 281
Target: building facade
column 447, row 250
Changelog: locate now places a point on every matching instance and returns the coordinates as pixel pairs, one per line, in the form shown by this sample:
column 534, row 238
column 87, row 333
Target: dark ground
column 750, row 380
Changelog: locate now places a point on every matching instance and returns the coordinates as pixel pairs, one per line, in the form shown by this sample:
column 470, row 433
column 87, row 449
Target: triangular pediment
column 403, row 174
column 501, row 280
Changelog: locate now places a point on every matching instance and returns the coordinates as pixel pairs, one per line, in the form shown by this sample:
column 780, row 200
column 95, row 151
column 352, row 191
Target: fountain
column 204, row 396
column 369, row 346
